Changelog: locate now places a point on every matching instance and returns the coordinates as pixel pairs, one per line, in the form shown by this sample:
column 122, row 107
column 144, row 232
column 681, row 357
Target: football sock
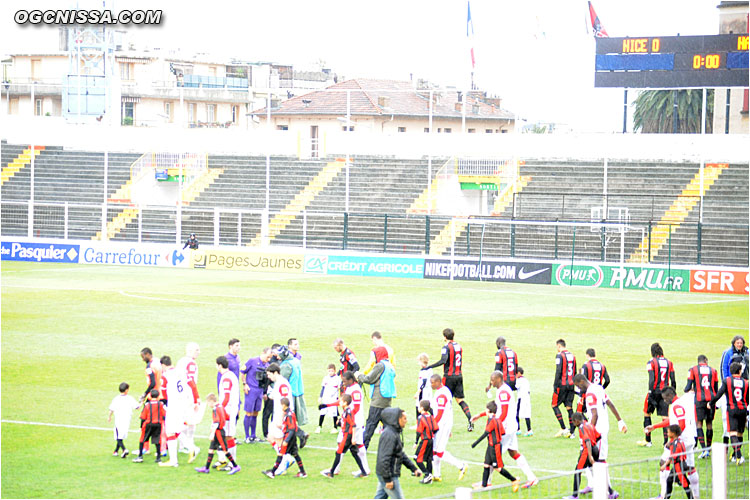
column 576, row 483
column 253, row 424
column 448, row 457
column 358, row 461
column 485, row 476
column 701, row 439
column 570, row 420
column 140, row 449
column 736, row 446
column 666, row 437
column 663, row 483
column 465, row 409
column 298, row 459
column 524, row 465
column 276, row 464
column 436, row 466
column 362, row 453
column 320, row 420
column 158, row 451
column 423, row 467
column 336, row 462
column 172, row 449
column 558, row 415
column 209, row 459
column 504, row 472
column 120, row 444
column 246, row 423
column 693, row 480
column 286, row 462
column 528, row 424
column 709, row 436
column 646, row 423
column 230, row 457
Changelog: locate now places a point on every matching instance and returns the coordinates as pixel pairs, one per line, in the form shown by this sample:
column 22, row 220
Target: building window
column 126, row 71
column 210, row 113
column 282, row 127
column 350, row 128
column 38, row 107
column 447, row 130
column 504, row 131
column 128, row 113
column 36, row 70
column 169, row 111
column 235, row 114
column 472, row 130
column 427, row 130
column 440, row 129
column 191, row 112
column 488, row 131
column 402, row 129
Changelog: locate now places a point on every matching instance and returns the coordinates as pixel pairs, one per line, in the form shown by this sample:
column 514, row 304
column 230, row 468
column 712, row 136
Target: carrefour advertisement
column 355, row 265
column 630, row 277
column 94, row 252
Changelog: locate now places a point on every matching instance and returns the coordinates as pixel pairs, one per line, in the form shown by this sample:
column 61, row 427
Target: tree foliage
column 654, row 111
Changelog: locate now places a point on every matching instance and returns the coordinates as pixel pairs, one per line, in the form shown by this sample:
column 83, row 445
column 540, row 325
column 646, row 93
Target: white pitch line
column 136, row 430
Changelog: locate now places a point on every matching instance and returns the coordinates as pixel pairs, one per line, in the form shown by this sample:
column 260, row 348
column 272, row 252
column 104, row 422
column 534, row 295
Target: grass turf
column 71, row 334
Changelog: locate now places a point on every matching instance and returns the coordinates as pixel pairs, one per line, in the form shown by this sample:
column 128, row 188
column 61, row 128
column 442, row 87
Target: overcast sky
column 536, row 55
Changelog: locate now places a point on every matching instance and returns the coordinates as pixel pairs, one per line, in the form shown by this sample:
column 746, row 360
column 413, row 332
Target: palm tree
column 654, row 109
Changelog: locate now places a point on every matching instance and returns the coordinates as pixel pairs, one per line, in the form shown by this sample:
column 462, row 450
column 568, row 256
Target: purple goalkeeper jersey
column 250, row 369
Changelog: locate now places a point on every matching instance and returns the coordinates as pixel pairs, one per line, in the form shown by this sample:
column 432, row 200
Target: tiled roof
column 384, row 98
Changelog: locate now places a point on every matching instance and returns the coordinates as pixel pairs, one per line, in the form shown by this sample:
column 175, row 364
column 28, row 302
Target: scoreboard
column 672, row 61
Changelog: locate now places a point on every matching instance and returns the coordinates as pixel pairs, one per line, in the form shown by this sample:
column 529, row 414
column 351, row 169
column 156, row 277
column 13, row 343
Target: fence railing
column 688, row 243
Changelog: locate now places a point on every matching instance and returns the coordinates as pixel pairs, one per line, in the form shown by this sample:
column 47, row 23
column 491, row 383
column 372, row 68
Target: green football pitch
column 71, row 334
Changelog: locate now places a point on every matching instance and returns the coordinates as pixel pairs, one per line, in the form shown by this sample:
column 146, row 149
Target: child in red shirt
column 289, row 441
column 152, row 416
column 218, row 437
column 347, row 431
column 493, row 457
column 426, row 429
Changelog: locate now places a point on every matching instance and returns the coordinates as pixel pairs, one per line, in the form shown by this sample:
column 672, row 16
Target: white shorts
column 193, row 416
column 230, row 427
column 357, row 438
column 121, row 432
column 329, row 411
column 524, row 408
column 440, row 442
column 689, row 447
column 509, row 441
column 174, row 422
column 274, row 431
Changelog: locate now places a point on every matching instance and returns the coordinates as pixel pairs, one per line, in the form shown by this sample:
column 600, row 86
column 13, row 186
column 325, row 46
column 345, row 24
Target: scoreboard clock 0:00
column 672, row 62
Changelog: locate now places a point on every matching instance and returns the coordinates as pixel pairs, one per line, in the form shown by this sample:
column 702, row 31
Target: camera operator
column 254, row 384
column 266, row 384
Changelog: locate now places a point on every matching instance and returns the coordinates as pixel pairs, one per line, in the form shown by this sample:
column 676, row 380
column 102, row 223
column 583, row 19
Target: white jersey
column 442, row 408
column 423, row 385
column 597, row 398
column 281, row 389
column 682, row 413
column 355, row 391
column 189, row 370
column 229, row 392
column 178, row 392
column 122, row 407
column 523, row 388
column 330, row 386
column 506, row 401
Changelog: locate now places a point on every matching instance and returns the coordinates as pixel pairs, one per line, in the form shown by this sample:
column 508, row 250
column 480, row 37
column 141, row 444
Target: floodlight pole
column 347, row 128
column 429, row 160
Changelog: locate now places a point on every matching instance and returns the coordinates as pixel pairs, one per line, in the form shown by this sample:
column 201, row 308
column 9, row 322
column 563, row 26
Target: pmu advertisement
column 632, row 278
column 488, row 270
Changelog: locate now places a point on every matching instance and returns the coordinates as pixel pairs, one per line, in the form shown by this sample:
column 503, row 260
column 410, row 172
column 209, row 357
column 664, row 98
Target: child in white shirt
column 523, row 390
column 122, row 407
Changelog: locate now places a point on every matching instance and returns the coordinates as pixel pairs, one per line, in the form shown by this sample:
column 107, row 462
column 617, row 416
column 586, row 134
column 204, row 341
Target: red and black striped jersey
column 660, row 374
column 347, row 422
column 565, row 368
column 595, row 372
column 506, row 361
column 704, row 380
column 349, row 361
column 426, row 426
column 220, row 416
column 290, row 422
column 452, row 365
column 735, row 388
column 153, row 412
column 588, row 433
column 678, row 458
column 495, row 430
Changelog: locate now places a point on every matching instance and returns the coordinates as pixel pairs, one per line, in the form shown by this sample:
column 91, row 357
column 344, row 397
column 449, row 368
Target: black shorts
column 219, row 441
column 511, row 384
column 152, row 431
column 564, row 395
column 455, row 383
column 702, row 412
column 494, row 456
column 653, row 402
column 736, row 420
column 292, row 447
